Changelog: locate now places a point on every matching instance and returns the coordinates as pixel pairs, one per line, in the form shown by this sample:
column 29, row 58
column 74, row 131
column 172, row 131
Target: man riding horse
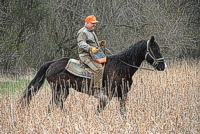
column 87, row 43
column 117, row 75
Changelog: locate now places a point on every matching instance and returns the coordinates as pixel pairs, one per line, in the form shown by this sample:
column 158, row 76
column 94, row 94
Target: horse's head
column 153, row 55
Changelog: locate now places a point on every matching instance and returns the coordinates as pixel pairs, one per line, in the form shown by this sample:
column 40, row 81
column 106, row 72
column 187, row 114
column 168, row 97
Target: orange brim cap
column 91, row 19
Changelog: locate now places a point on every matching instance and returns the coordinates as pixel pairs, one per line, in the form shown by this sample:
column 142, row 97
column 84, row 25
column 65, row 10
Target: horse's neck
column 133, row 56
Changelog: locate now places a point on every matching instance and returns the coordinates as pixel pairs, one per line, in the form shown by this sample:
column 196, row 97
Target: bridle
column 150, row 53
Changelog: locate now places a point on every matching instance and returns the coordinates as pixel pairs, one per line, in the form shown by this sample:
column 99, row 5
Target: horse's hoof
column 124, row 117
column 97, row 113
column 65, row 111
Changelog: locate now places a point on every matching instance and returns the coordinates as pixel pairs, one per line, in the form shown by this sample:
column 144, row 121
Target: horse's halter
column 155, row 61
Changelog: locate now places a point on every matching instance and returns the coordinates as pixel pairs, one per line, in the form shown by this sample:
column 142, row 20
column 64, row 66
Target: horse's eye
column 156, row 47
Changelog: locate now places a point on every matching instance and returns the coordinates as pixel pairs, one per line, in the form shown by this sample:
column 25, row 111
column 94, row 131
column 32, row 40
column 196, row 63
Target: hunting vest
column 85, row 39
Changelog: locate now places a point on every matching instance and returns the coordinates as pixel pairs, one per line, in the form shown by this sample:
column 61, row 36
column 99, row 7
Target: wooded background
column 33, row 32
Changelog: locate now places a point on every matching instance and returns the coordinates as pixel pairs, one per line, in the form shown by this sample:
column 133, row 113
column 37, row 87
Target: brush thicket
column 159, row 102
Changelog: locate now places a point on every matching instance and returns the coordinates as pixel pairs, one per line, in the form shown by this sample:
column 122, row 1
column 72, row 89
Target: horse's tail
column 35, row 84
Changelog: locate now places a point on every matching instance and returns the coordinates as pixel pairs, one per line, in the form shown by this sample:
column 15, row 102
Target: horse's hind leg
column 52, row 102
column 59, row 95
column 63, row 96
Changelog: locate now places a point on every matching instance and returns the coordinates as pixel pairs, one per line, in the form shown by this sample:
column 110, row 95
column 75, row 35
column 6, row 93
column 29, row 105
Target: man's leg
column 97, row 68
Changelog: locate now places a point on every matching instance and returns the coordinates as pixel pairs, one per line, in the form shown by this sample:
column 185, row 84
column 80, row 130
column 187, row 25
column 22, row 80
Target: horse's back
column 57, row 67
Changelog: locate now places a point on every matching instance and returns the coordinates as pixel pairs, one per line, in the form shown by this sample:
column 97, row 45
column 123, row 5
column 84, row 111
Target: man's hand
column 94, row 49
column 102, row 43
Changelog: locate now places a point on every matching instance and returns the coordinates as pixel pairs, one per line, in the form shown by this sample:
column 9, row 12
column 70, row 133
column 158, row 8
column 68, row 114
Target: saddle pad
column 74, row 67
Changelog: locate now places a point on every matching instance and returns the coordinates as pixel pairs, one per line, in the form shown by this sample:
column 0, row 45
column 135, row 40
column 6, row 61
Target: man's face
column 91, row 26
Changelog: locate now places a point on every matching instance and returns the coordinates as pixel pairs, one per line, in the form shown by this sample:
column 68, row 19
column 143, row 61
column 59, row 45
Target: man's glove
column 102, row 43
column 94, row 49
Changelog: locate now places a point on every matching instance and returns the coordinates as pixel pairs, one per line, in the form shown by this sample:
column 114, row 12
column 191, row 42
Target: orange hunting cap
column 91, row 19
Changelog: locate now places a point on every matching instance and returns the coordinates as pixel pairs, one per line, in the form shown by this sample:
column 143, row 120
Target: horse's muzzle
column 161, row 66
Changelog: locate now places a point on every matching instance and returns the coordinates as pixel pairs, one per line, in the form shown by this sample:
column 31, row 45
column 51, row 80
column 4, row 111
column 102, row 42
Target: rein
column 137, row 67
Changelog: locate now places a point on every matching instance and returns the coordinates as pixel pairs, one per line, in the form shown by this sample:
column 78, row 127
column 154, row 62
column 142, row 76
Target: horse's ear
column 152, row 39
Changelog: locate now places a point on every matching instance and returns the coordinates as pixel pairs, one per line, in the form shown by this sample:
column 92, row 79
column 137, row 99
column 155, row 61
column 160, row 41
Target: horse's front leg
column 122, row 92
column 103, row 101
column 123, row 106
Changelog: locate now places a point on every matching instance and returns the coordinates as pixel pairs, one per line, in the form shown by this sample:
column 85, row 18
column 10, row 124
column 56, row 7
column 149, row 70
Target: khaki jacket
column 86, row 39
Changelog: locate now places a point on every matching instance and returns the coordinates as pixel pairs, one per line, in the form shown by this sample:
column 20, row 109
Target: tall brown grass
column 159, row 102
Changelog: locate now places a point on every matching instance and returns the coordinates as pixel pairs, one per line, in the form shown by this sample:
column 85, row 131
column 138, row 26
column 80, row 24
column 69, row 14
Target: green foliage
column 15, row 85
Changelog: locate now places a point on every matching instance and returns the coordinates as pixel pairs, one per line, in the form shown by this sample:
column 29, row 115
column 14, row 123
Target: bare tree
column 33, row 31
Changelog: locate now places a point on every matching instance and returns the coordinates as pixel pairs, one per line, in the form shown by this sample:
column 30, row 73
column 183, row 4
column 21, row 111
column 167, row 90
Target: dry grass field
column 165, row 102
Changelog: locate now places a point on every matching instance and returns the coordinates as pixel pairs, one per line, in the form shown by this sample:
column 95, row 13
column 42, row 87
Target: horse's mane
column 132, row 49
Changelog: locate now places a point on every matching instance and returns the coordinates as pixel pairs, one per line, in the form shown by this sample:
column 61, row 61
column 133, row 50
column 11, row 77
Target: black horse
column 117, row 78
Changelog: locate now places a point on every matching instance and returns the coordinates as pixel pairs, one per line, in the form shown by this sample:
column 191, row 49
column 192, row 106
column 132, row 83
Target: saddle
column 79, row 69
